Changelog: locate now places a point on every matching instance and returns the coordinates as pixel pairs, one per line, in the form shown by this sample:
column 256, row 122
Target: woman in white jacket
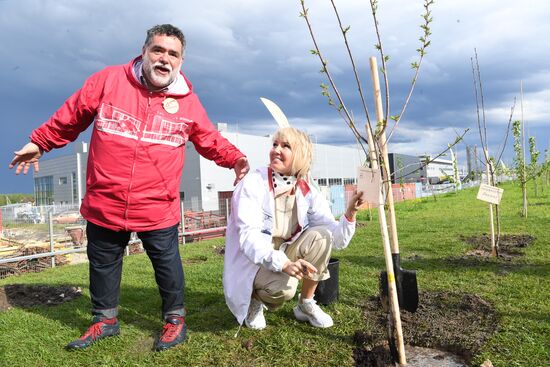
column 280, row 231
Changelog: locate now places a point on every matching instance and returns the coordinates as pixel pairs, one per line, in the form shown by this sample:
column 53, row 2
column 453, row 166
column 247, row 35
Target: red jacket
column 137, row 149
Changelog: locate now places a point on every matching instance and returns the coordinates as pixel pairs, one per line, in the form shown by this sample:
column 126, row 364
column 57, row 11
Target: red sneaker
column 100, row 328
column 173, row 333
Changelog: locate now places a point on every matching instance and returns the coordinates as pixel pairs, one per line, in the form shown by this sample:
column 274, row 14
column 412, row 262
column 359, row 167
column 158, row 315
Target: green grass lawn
column 429, row 233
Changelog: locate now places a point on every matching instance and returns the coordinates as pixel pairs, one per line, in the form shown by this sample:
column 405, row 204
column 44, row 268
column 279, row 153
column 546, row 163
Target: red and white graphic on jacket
column 113, row 120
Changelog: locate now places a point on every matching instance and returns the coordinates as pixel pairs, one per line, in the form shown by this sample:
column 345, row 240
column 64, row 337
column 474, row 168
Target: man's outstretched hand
column 23, row 158
column 241, row 169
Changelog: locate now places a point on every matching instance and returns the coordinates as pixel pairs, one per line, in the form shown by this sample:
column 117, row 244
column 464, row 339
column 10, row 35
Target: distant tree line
column 16, row 198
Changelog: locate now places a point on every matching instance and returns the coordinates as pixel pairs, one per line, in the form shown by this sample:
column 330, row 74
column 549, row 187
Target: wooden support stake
column 392, row 289
column 491, row 217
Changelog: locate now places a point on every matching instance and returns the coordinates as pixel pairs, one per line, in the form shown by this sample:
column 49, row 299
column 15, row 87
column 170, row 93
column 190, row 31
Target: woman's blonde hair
column 302, row 149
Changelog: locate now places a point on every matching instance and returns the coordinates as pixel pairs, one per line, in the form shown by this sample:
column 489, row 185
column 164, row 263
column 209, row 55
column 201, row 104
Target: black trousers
column 105, row 253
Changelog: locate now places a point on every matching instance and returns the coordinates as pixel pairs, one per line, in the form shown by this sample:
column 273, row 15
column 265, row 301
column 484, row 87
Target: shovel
column 405, row 280
column 407, row 286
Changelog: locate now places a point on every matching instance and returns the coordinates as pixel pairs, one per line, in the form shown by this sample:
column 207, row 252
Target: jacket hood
column 181, row 86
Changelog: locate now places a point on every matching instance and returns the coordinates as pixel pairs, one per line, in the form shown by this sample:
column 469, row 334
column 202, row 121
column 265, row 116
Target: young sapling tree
column 490, row 163
column 519, row 164
column 375, row 138
column 533, row 168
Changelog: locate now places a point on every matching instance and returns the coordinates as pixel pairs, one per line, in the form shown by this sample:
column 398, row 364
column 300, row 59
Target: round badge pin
column 171, row 105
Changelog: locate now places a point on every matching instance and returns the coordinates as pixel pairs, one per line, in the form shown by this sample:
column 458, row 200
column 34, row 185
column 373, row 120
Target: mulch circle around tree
column 26, row 296
column 509, row 245
column 453, row 326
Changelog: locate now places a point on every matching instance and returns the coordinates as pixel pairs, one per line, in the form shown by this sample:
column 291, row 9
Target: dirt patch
column 220, row 250
column 195, row 260
column 450, row 322
column 509, row 245
column 26, row 296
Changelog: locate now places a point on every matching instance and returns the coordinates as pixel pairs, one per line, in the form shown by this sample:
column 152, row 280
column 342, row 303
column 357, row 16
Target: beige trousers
column 314, row 246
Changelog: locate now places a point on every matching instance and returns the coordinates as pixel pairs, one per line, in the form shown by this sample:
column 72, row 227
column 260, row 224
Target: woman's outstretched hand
column 354, row 204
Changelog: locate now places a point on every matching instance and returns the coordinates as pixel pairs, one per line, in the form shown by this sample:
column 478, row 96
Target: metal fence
column 34, row 238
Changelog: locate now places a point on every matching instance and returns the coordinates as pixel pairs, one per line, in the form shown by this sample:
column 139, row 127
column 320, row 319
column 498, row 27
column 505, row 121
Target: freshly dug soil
column 509, row 245
column 450, row 322
column 26, row 296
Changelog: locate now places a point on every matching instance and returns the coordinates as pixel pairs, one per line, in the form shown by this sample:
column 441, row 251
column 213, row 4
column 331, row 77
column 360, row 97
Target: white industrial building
column 204, row 184
column 437, row 169
column 62, row 180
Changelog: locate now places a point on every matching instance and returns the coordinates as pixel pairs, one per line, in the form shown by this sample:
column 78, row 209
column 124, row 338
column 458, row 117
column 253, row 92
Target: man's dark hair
column 165, row 30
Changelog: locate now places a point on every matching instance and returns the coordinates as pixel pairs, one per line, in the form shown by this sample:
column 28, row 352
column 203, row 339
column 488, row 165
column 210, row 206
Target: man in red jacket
column 143, row 113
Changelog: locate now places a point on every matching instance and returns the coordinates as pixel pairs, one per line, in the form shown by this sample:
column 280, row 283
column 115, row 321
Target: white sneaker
column 255, row 318
column 309, row 311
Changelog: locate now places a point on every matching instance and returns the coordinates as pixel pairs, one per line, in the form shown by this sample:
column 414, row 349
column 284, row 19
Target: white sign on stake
column 490, row 194
column 369, row 181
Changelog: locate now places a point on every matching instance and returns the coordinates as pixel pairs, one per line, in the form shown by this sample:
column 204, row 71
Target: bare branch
column 508, row 128
column 427, row 16
column 352, row 60
column 325, row 69
column 458, row 139
column 483, row 145
column 483, row 128
column 383, row 69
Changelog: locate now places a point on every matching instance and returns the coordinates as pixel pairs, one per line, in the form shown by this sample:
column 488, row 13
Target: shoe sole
column 300, row 316
column 77, row 347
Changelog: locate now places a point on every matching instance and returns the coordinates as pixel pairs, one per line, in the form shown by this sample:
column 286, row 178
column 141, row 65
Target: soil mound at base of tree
column 453, row 326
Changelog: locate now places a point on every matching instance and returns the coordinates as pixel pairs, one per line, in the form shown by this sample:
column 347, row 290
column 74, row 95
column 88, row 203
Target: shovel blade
column 407, row 289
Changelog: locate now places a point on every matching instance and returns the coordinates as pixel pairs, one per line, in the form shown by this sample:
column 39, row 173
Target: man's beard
column 154, row 79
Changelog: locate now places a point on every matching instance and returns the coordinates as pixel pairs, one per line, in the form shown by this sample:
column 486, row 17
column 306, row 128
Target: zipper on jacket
column 134, row 164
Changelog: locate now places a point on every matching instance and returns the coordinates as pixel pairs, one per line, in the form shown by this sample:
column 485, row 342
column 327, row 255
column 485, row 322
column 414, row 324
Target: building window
column 43, row 190
column 74, row 188
column 334, row 181
column 62, row 180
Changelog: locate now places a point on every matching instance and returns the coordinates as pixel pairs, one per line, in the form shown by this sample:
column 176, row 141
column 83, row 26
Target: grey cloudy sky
column 240, row 50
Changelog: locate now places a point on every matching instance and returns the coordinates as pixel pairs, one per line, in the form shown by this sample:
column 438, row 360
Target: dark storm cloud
column 245, row 49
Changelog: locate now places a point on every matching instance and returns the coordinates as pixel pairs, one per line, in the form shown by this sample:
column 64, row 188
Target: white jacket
column 248, row 238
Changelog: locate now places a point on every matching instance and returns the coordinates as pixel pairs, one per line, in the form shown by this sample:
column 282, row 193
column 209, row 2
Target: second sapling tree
column 533, row 168
column 519, row 164
column 490, row 162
